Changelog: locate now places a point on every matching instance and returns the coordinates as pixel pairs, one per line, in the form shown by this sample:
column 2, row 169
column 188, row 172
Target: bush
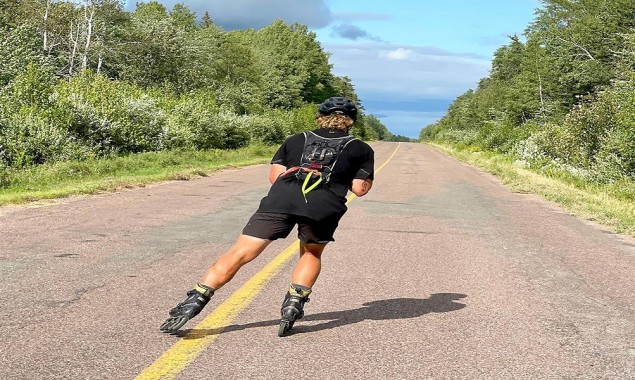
column 29, row 139
column 600, row 135
column 196, row 122
column 241, row 99
column 616, row 158
column 111, row 117
column 458, row 136
column 618, row 149
column 234, row 131
column 302, row 119
column 496, row 135
column 19, row 48
column 32, row 87
column 188, row 118
column 28, row 133
column 268, row 129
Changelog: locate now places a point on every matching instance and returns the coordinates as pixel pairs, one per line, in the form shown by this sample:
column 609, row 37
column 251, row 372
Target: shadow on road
column 397, row 308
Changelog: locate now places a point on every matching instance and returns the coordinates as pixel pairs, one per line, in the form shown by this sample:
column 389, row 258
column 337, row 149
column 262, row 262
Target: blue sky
column 408, row 59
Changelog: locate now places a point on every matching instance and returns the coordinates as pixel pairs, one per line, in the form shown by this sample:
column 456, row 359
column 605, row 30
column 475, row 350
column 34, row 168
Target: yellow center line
column 186, row 350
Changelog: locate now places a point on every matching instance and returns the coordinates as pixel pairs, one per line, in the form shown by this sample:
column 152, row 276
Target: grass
column 611, row 205
column 65, row 179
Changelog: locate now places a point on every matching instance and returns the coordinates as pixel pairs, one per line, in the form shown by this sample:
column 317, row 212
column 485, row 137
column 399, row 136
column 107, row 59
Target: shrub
column 19, row 48
column 196, row 123
column 272, row 127
column 29, row 139
column 111, row 117
column 32, row 87
column 188, row 118
column 616, row 158
column 243, row 98
column 302, row 119
column 600, row 135
column 234, row 131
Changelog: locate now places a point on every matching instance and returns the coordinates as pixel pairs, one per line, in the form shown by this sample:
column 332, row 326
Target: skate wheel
column 284, row 327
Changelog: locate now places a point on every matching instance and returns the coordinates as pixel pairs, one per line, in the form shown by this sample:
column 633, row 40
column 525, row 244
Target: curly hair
column 334, row 121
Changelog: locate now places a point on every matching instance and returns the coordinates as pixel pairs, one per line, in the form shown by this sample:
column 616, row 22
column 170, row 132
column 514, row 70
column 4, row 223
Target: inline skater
column 310, row 174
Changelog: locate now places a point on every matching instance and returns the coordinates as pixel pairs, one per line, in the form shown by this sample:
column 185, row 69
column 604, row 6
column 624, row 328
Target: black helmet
column 339, row 104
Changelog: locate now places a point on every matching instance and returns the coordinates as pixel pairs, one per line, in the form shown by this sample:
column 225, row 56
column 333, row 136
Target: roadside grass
column 65, row 179
column 611, row 205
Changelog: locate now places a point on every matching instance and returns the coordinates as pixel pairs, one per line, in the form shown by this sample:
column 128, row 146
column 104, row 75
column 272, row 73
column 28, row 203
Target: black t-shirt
column 327, row 201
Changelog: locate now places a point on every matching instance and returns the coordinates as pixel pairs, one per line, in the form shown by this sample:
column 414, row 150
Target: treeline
column 87, row 79
column 563, row 97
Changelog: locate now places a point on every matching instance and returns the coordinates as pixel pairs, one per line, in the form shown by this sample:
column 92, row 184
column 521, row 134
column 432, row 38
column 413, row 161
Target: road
column 439, row 273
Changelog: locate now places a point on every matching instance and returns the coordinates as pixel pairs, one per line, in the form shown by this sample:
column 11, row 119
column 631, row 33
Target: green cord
column 306, row 190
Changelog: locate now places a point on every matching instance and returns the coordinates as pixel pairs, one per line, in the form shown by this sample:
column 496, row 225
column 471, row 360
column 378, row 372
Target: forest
column 559, row 97
column 83, row 80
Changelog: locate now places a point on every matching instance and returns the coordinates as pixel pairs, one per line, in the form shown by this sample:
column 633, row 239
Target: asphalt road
column 438, row 273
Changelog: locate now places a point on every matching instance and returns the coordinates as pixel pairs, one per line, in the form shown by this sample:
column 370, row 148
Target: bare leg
column 304, row 276
column 308, row 267
column 223, row 270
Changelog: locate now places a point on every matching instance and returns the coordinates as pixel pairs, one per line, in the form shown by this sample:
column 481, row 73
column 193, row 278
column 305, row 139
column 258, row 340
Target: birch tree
column 89, row 15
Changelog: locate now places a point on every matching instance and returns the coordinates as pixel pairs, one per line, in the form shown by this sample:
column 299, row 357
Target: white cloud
column 407, row 71
column 399, row 54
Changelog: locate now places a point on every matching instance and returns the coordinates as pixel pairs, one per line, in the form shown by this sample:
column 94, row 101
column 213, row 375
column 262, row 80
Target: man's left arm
column 364, row 177
column 361, row 187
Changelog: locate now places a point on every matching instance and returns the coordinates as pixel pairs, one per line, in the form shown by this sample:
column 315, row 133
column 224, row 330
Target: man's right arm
column 278, row 163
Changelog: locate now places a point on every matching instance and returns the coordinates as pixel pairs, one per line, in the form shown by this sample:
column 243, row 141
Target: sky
column 408, row 59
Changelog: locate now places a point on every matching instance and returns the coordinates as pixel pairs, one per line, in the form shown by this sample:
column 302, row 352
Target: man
column 310, row 174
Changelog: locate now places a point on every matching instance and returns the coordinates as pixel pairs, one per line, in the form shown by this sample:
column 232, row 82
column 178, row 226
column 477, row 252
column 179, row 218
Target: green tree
column 156, row 47
column 9, row 9
column 19, row 47
column 343, row 86
column 580, row 38
column 183, row 18
column 294, row 67
column 378, row 127
column 109, row 25
column 206, row 20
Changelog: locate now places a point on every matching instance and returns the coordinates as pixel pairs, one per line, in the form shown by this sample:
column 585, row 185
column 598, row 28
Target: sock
column 299, row 290
column 204, row 290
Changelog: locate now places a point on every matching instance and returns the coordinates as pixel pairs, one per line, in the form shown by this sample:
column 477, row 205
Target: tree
column 155, row 47
column 19, row 47
column 183, row 18
column 110, row 22
column 294, row 67
column 343, row 86
column 223, row 63
column 376, row 125
column 206, row 21
column 580, row 37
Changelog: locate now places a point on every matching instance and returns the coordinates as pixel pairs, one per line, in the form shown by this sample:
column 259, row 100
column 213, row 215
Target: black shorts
column 272, row 226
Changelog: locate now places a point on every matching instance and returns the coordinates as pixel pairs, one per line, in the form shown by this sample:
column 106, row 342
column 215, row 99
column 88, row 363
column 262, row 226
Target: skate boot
column 293, row 307
column 196, row 300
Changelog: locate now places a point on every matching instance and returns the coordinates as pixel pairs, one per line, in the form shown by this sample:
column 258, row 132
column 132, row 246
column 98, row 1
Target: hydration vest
column 319, row 157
